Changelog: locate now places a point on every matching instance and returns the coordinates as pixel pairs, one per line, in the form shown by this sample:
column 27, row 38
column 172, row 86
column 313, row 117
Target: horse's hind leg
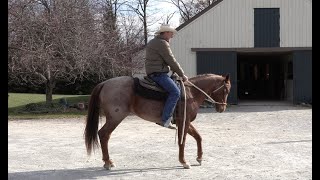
column 194, row 133
column 104, row 136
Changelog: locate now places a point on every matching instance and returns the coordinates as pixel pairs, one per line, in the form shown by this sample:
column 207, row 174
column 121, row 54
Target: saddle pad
column 150, row 84
column 147, row 88
column 148, row 92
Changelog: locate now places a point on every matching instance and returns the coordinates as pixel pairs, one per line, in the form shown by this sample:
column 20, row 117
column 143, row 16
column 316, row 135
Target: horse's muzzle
column 220, row 108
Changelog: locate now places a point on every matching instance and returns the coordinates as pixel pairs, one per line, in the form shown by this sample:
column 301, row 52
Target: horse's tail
column 92, row 121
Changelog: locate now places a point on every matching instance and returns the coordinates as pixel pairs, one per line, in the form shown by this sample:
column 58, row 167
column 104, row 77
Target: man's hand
column 185, row 78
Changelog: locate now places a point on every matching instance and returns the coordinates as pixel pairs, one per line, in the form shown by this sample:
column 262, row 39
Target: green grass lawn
column 17, row 104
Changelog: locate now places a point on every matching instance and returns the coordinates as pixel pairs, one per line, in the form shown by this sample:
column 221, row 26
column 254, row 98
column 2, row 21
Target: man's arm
column 168, row 57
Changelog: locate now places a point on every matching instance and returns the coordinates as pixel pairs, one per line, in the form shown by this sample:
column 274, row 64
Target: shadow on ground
column 82, row 173
column 258, row 106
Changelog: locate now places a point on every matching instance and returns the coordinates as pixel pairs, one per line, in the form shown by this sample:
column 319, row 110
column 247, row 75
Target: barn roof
column 199, row 14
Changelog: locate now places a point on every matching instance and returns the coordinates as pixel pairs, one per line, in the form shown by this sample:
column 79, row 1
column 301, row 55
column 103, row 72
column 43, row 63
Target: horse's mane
column 201, row 76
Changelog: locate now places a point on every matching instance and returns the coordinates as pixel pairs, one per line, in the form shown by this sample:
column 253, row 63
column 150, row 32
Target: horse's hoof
column 109, row 166
column 186, row 165
column 199, row 161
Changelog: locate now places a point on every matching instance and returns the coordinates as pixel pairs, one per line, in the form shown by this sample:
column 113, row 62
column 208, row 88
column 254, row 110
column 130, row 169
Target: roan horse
column 116, row 99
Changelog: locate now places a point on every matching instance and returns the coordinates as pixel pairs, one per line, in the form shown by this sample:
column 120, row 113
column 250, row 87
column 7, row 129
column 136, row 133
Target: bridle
column 224, row 91
column 211, row 100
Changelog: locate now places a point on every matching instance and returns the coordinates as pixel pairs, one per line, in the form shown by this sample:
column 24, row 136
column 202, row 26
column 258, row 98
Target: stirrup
column 171, row 126
column 168, row 124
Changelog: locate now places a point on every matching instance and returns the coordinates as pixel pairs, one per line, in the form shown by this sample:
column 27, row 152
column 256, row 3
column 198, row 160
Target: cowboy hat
column 165, row 28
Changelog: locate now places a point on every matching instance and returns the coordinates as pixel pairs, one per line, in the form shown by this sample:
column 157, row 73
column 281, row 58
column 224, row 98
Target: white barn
column 265, row 45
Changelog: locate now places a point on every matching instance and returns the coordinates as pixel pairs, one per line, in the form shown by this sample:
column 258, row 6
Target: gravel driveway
column 244, row 142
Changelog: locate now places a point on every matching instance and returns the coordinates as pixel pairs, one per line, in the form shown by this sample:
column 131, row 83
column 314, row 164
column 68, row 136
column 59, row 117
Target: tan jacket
column 159, row 57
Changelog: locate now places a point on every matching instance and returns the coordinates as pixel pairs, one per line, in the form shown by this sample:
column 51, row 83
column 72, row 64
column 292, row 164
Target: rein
column 184, row 111
column 211, row 100
column 185, row 103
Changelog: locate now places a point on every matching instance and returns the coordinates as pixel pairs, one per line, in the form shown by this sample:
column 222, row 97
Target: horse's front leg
column 182, row 145
column 194, row 133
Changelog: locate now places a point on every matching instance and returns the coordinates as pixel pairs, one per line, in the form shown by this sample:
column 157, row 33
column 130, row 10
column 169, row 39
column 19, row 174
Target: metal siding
column 220, row 63
column 296, row 24
column 266, row 27
column 230, row 24
column 302, row 77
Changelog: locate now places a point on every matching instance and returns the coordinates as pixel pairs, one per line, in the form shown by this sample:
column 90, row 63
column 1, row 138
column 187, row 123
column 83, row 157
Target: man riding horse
column 117, row 98
column 158, row 62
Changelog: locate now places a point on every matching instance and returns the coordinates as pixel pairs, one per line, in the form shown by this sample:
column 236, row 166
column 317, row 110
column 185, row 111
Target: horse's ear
column 227, row 77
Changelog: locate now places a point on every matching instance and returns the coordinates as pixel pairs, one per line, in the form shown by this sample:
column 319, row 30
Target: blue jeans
column 163, row 80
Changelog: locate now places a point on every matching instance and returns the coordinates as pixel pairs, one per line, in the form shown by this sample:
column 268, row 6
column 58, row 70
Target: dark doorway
column 261, row 76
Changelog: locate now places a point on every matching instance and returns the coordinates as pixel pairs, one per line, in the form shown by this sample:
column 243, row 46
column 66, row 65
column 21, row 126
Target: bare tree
column 54, row 40
column 49, row 40
column 146, row 11
column 168, row 18
column 111, row 61
column 140, row 8
column 134, row 42
column 118, row 36
column 189, row 8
